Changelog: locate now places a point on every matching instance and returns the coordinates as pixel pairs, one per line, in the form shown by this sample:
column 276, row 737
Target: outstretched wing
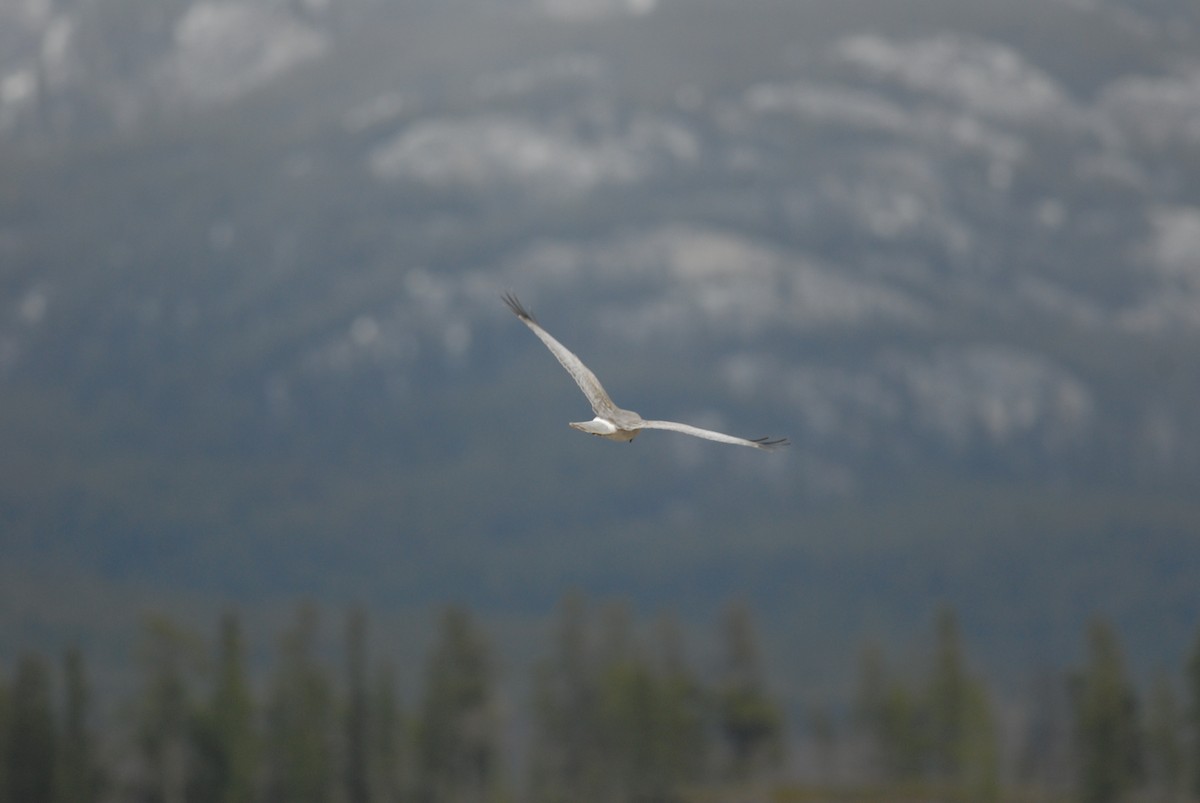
column 721, row 437
column 602, row 405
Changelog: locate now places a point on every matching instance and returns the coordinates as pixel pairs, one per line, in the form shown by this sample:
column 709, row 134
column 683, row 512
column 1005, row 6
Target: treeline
column 1087, row 734
column 617, row 712
column 613, row 717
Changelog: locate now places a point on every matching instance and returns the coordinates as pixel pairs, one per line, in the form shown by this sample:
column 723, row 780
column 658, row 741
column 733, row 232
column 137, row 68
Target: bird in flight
column 611, row 421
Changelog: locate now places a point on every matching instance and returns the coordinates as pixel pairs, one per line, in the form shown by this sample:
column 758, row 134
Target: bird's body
column 612, row 422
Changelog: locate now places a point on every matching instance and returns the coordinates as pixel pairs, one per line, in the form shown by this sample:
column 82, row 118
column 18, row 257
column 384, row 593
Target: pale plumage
column 611, row 421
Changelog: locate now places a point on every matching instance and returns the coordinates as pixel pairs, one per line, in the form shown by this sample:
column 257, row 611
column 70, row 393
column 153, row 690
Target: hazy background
column 252, row 348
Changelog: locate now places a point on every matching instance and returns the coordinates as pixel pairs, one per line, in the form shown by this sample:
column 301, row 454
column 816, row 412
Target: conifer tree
column 228, row 740
column 682, row 744
column 616, row 643
column 621, row 731
column 1192, row 679
column 870, row 706
column 5, row 737
column 357, row 758
column 948, row 699
column 614, row 723
column 1164, row 747
column 824, row 733
column 563, row 762
column 31, row 740
column 647, row 713
column 625, row 711
column 979, row 775
column 387, row 738
column 458, row 729
column 902, row 735
column 1106, row 727
column 749, row 721
column 1044, row 760
column 78, row 776
column 962, row 739
column 169, row 657
column 300, row 719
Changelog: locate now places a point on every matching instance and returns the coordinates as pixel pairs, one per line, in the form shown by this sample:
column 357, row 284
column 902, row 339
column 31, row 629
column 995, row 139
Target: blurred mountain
column 251, row 342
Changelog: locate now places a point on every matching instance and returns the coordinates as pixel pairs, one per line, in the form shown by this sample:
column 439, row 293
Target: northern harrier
column 611, row 421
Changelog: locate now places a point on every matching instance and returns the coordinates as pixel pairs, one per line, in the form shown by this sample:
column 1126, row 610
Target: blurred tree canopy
column 617, row 711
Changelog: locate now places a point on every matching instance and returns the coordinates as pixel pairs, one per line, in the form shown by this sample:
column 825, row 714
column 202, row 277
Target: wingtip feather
column 516, row 306
column 766, row 442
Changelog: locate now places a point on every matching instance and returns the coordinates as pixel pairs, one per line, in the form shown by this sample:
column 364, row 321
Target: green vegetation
column 184, row 408
column 1106, row 729
column 618, row 712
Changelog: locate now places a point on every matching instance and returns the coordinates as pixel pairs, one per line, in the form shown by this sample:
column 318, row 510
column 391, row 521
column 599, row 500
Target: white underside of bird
column 612, row 422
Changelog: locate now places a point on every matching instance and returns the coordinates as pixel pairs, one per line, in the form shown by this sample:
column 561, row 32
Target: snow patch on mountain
column 224, row 50
column 1159, row 110
column 986, row 77
column 492, row 152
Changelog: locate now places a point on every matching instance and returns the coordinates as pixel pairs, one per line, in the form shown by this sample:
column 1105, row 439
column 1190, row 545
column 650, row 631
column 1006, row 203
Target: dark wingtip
column 766, row 443
column 515, row 305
